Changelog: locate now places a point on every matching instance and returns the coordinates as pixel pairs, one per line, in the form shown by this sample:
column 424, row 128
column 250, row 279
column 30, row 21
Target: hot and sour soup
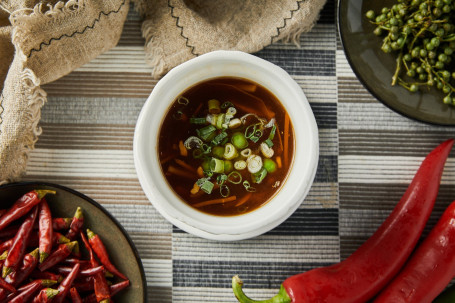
column 226, row 146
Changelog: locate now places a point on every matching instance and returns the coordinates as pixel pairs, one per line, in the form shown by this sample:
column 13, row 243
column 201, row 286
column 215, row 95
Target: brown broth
column 176, row 127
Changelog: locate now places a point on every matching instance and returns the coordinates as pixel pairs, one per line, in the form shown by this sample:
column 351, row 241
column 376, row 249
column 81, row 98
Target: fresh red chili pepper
column 45, row 295
column 75, row 297
column 359, row 277
column 114, row 289
column 45, row 231
column 63, row 270
column 102, row 292
column 65, row 286
column 7, row 286
column 62, row 252
column 30, row 290
column 61, row 223
column 430, row 268
column 46, row 275
column 17, row 250
column 76, row 224
column 22, row 206
column 100, row 250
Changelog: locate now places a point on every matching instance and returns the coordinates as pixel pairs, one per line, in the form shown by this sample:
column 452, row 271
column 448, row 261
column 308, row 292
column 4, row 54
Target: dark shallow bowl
column 120, row 247
column 375, row 69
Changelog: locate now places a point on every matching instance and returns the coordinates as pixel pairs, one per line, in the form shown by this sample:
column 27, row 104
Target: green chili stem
column 281, row 297
column 43, row 192
column 398, row 68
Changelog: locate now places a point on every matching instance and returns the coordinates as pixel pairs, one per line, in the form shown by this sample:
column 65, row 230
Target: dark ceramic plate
column 122, row 251
column 375, row 69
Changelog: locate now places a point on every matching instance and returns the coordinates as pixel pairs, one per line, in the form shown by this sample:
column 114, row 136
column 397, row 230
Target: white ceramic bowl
column 303, row 168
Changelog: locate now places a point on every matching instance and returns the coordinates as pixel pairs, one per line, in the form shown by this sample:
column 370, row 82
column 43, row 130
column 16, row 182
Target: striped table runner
column 368, row 155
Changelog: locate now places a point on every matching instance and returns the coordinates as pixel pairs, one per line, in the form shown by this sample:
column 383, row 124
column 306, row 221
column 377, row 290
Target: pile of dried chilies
column 54, row 270
column 387, row 267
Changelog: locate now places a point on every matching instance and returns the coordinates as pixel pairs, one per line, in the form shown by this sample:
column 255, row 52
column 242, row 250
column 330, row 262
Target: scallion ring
column 182, row 100
column 235, row 177
column 224, row 191
column 178, row 115
column 217, row 165
column 248, row 187
column 230, row 152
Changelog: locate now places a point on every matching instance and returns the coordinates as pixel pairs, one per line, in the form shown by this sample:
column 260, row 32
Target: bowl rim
column 208, row 66
column 365, row 84
column 102, row 209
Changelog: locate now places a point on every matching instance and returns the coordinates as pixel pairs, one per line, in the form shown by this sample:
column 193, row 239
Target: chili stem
column 398, row 69
column 281, row 297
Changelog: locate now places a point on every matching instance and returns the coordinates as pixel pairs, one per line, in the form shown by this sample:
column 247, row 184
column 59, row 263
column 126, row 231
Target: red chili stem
column 75, row 297
column 45, row 230
column 65, row 285
column 76, row 224
column 17, row 250
column 100, row 250
column 430, row 268
column 62, row 252
column 22, row 206
column 45, row 295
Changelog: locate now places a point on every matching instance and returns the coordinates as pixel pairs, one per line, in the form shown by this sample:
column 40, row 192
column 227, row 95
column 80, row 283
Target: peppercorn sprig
column 422, row 35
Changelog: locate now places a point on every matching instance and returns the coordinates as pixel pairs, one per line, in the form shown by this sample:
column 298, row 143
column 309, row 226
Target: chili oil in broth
column 183, row 171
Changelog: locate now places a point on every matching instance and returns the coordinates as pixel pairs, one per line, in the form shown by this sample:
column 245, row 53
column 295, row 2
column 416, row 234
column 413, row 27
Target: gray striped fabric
column 368, row 155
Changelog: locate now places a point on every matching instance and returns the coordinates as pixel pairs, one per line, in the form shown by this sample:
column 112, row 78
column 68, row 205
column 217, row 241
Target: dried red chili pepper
column 61, row 223
column 9, row 232
column 46, row 275
column 60, row 254
column 45, row 295
column 76, row 224
column 57, row 238
column 85, row 284
column 75, row 297
column 63, row 270
column 100, row 250
column 65, row 285
column 359, row 277
column 30, row 290
column 2, row 212
column 6, row 245
column 22, row 206
column 114, row 289
column 84, row 263
column 28, row 265
column 7, row 286
column 17, row 250
column 430, row 268
column 102, row 292
column 45, row 230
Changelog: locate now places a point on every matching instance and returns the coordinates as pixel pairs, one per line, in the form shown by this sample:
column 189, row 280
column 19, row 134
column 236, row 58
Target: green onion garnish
column 224, row 191
column 230, row 152
column 197, row 154
column 269, row 142
column 214, row 106
column 226, row 104
column 207, row 187
column 218, row 138
column 269, row 165
column 239, row 141
column 235, row 177
column 206, row 149
column 198, row 120
column 206, row 132
column 201, row 181
column 259, row 176
column 220, row 179
column 248, row 187
column 182, row 100
column 272, row 132
column 217, row 165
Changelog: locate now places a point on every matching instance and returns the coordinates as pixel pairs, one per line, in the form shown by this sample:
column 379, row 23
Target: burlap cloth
column 41, row 41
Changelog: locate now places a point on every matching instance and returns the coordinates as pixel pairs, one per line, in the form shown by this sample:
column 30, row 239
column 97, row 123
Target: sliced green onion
column 235, row 177
column 218, row 151
column 198, row 120
column 220, row 121
column 234, row 123
column 207, row 187
column 254, row 139
column 270, row 165
column 206, row 132
column 250, row 130
column 239, row 141
column 240, row 165
column 197, row 154
column 220, row 179
column 201, row 181
column 224, row 191
column 182, row 100
column 192, row 142
column 230, row 152
column 266, row 150
column 246, row 152
column 217, row 165
column 231, row 111
column 218, row 138
column 178, row 115
column 248, row 187
column 214, row 106
column 254, row 163
column 272, row 132
column 225, row 140
column 269, row 142
column 206, row 149
column 205, row 165
column 259, row 176
column 228, row 167
column 226, row 104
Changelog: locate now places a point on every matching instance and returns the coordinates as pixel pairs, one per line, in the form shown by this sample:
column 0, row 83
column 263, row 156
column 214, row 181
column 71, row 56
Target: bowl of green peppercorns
column 403, row 52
